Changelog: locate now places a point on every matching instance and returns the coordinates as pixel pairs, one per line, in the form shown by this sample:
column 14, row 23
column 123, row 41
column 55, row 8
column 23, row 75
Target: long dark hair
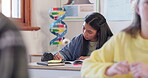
column 98, row 22
column 135, row 26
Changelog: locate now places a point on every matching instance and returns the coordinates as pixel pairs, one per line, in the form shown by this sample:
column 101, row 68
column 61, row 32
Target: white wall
column 38, row 41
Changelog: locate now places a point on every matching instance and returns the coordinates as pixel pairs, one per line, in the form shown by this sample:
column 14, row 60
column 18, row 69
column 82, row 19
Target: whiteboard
column 118, row 10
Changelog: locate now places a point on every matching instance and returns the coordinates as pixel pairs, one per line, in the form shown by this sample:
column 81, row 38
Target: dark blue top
column 77, row 48
column 72, row 50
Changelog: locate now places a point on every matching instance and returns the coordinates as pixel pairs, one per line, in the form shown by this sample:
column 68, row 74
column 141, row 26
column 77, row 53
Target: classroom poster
column 77, row 11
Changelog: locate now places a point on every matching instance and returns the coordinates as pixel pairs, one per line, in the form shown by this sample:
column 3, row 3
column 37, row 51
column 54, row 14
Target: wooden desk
column 67, row 71
column 69, row 67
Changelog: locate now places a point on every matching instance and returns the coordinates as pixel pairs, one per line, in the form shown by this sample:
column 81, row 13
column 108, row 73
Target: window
column 20, row 11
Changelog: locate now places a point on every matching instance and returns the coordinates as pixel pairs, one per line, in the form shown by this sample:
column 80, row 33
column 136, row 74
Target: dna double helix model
column 58, row 27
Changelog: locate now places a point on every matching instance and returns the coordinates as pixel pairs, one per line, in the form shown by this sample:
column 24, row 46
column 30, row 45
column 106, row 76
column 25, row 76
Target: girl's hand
column 119, row 68
column 83, row 57
column 58, row 56
column 139, row 70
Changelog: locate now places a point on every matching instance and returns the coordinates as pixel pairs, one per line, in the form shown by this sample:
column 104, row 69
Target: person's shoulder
column 78, row 36
column 122, row 36
column 6, row 23
column 3, row 19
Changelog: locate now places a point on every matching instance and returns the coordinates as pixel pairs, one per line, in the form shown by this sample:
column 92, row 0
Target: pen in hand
column 114, row 62
column 58, row 56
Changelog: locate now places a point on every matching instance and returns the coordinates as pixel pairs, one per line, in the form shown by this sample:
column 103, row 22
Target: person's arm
column 119, row 68
column 13, row 52
column 83, row 57
column 67, row 52
column 139, row 70
column 99, row 61
column 58, row 56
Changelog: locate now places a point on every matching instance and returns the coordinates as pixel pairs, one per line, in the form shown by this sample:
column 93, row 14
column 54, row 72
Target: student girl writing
column 95, row 33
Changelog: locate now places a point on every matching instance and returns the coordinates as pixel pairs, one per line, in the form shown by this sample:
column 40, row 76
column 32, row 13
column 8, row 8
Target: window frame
column 25, row 21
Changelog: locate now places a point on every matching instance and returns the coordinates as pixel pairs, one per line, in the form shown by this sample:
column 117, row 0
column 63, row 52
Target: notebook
column 50, row 64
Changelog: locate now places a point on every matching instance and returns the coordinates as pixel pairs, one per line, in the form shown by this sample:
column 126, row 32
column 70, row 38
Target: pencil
column 114, row 62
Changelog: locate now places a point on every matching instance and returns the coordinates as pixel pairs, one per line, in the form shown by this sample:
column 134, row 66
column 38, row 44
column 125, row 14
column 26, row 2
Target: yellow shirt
column 121, row 47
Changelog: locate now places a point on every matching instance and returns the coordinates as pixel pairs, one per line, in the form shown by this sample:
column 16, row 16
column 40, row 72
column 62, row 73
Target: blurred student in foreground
column 125, row 55
column 95, row 33
column 13, row 61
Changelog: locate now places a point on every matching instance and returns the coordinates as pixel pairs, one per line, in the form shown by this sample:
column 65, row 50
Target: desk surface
column 66, row 67
column 39, row 71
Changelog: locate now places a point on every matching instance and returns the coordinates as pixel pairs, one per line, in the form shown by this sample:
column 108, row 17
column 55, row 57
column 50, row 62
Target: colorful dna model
column 58, row 27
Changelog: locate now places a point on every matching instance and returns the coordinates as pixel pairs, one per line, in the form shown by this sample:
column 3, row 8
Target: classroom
column 74, row 38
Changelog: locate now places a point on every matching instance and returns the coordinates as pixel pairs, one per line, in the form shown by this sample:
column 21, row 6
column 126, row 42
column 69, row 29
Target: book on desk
column 50, row 64
column 60, row 62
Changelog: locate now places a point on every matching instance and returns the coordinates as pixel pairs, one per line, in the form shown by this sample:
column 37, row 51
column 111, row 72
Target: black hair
column 98, row 22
